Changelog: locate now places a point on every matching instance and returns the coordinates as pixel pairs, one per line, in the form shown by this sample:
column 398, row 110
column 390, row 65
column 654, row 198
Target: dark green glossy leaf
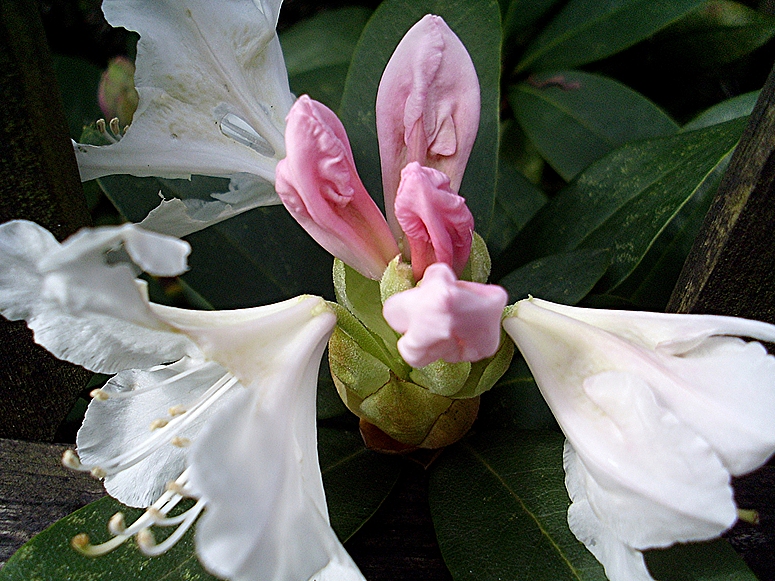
column 49, row 557
column 524, row 13
column 574, row 118
column 477, row 23
column 507, row 517
column 357, row 480
column 711, row 561
column 318, row 51
column 515, row 402
column 259, row 257
column 560, row 278
column 740, row 106
column 589, row 30
column 516, row 201
column 651, row 283
column 718, row 32
column 623, row 201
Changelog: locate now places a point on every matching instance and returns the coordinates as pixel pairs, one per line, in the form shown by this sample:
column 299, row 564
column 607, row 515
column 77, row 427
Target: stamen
column 70, row 460
column 156, row 514
column 176, row 410
column 114, row 127
column 180, row 442
column 98, row 473
column 158, row 424
column 99, row 394
column 100, row 125
column 82, row 544
column 117, row 524
column 147, row 542
column 151, row 444
column 168, row 381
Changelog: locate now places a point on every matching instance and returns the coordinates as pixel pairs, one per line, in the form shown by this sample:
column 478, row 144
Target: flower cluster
column 659, row 410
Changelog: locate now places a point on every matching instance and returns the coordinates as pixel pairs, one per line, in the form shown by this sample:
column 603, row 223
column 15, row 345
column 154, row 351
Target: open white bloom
column 213, row 94
column 658, row 411
column 218, row 406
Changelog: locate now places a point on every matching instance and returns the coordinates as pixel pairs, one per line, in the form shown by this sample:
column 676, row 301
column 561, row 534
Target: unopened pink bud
column 319, row 185
column 436, row 221
column 445, row 318
column 427, row 106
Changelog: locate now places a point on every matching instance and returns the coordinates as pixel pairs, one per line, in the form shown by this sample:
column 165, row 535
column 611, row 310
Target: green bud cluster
column 427, row 407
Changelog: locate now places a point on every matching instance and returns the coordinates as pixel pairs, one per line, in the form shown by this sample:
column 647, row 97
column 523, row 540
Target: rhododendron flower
column 213, row 93
column 218, row 406
column 659, row 410
column 430, row 92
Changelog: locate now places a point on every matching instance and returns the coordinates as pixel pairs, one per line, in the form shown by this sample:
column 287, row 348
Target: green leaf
column 318, row 51
column 574, row 118
column 522, row 14
column 356, row 479
column 477, row 23
column 49, row 556
column 560, row 278
column 623, row 201
column 711, row 561
column 516, row 201
column 651, row 283
column 589, row 30
column 740, row 106
column 499, row 506
column 515, row 403
column 718, row 32
column 259, row 257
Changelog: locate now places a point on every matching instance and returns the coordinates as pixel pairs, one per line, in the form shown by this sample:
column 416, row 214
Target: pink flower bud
column 427, row 107
column 445, row 318
column 436, row 221
column 320, row 187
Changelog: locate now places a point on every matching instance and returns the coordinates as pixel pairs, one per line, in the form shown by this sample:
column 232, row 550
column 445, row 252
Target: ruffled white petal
column 659, row 411
column 622, row 562
column 81, row 307
column 671, row 333
column 177, row 217
column 114, row 426
column 256, row 463
column 205, row 71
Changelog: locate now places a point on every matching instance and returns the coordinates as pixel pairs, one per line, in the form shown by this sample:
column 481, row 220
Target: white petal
column 256, row 463
column 670, row 332
column 726, row 392
column 621, row 562
column 253, row 342
column 180, row 218
column 117, row 425
column 22, row 245
column 81, row 308
column 651, row 479
column 197, row 63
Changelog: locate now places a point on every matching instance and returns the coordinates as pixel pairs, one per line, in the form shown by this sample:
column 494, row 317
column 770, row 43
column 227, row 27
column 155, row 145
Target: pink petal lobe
column 436, row 221
column 445, row 318
column 427, row 106
column 319, row 185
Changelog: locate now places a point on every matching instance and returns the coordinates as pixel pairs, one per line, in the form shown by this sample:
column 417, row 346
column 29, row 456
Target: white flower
column 658, row 410
column 213, row 94
column 238, row 386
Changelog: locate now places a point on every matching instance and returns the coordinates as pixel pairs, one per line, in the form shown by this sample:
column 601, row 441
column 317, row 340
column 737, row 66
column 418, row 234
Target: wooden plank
column 36, row 490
